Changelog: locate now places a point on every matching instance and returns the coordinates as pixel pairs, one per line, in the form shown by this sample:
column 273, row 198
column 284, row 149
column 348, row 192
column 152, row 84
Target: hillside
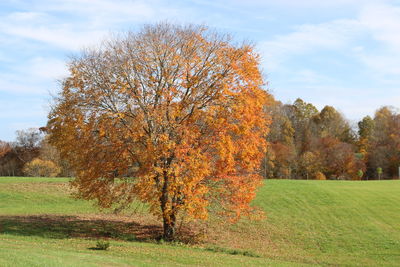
column 308, row 223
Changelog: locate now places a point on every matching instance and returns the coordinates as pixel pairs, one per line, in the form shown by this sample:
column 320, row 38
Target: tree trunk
column 169, row 228
column 169, row 217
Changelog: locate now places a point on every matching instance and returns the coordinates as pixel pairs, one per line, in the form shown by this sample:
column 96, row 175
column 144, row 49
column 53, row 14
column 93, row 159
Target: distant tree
column 268, row 168
column 310, row 164
column 28, row 139
column 27, row 144
column 304, row 111
column 339, row 159
column 366, row 127
column 360, row 174
column 384, row 142
column 331, row 123
column 14, row 155
column 319, row 176
column 5, row 147
column 280, row 159
column 41, row 168
column 284, row 156
column 175, row 112
column 50, row 153
column 379, row 171
column 365, row 139
column 301, row 114
column 305, row 141
column 9, row 162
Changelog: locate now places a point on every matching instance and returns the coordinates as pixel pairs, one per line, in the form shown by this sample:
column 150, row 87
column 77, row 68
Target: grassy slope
column 309, row 222
column 334, row 222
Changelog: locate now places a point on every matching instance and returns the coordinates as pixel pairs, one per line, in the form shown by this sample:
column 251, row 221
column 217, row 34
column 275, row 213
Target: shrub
column 41, row 168
column 232, row 251
column 102, row 245
column 320, row 176
column 359, row 176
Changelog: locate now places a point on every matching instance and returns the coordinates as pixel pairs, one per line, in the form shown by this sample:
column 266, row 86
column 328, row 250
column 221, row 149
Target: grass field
column 332, row 223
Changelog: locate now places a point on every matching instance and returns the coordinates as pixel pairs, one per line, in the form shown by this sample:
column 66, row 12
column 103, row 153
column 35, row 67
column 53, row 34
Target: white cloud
column 383, row 65
column 48, row 68
column 18, row 84
column 63, row 36
column 372, row 38
column 311, row 77
column 22, row 110
column 383, row 23
column 108, row 13
column 26, row 16
column 35, row 76
column 309, row 38
column 88, row 22
column 136, row 9
column 371, row 43
column 319, row 3
column 294, row 4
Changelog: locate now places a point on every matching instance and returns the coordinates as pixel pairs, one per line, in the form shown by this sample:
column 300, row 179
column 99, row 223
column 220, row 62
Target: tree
column 279, row 161
column 27, row 144
column 284, row 156
column 365, row 139
column 331, row 123
column 302, row 118
column 360, row 174
column 14, row 155
column 319, row 176
column 5, row 147
column 310, row 164
column 8, row 160
column 304, row 111
column 174, row 112
column 50, row 153
column 41, row 168
column 28, row 139
column 381, row 137
column 338, row 159
column 379, row 171
column 365, row 127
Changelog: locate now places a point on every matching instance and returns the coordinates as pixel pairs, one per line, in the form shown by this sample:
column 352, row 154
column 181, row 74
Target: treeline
column 31, row 155
column 306, row 143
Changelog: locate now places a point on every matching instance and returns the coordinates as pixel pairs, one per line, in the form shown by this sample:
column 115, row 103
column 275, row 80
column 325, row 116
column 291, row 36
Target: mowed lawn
column 332, row 223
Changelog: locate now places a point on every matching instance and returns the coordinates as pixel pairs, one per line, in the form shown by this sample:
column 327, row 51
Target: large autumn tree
column 171, row 116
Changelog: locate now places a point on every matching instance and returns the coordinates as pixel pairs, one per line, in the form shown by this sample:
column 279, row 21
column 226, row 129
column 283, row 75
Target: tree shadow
column 60, row 227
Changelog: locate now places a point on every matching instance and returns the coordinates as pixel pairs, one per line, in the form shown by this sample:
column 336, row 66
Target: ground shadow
column 58, row 226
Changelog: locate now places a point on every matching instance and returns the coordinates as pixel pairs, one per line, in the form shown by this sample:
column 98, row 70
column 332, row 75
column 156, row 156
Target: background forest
column 304, row 143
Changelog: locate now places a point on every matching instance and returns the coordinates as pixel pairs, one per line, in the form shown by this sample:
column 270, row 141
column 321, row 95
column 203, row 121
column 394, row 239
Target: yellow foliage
column 41, row 168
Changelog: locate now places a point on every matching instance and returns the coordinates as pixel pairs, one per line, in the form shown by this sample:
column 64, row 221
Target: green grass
column 334, row 222
column 327, row 223
column 36, row 251
column 25, row 196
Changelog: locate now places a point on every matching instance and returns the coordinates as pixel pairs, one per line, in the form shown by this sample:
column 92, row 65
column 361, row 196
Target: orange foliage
column 4, row 148
column 175, row 112
column 319, row 176
column 339, row 159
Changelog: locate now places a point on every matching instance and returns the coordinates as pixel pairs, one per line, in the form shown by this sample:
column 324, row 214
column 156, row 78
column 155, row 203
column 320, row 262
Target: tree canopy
column 176, row 113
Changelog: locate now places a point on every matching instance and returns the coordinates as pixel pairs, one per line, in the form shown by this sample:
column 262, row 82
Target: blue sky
column 344, row 53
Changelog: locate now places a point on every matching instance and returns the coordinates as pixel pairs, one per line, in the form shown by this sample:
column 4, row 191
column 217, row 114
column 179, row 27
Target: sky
column 344, row 53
